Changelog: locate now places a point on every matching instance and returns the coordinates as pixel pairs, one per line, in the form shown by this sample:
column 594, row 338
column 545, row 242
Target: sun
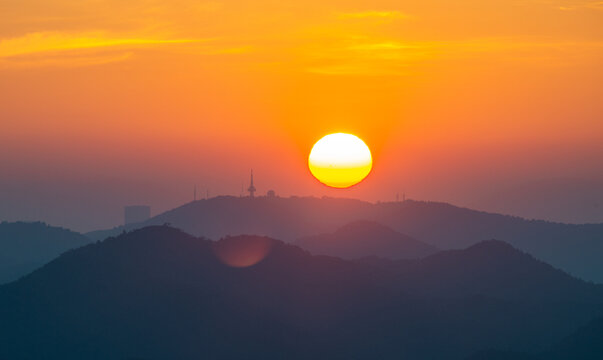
column 340, row 160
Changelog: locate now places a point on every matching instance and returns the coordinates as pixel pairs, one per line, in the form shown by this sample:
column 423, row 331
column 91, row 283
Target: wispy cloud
column 574, row 5
column 68, row 59
column 570, row 5
column 57, row 41
column 82, row 49
column 397, row 58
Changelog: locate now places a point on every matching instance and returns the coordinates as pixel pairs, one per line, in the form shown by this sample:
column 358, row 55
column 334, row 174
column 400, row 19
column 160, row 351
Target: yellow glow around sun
column 340, row 160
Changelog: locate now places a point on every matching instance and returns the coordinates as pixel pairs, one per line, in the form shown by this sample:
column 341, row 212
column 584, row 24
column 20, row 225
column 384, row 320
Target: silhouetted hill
column 281, row 218
column 495, row 269
column 502, row 355
column 158, row 293
column 584, row 344
column 576, row 249
column 25, row 246
column 366, row 238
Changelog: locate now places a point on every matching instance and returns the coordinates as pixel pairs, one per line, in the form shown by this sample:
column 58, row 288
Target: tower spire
column 251, row 187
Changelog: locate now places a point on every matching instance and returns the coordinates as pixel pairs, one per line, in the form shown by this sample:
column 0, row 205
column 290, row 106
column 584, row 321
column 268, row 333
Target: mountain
column 491, row 268
column 584, row 344
column 159, row 293
column 504, row 355
column 576, row 249
column 573, row 200
column 366, row 238
column 282, row 218
column 26, row 246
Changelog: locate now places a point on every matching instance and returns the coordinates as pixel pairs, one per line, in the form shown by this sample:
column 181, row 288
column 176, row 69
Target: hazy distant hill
column 577, row 249
column 26, row 246
column 571, row 200
column 158, row 293
column 282, row 218
column 366, row 238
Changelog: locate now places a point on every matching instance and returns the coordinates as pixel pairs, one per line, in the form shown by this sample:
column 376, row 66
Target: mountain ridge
column 576, row 249
column 362, row 238
column 158, row 292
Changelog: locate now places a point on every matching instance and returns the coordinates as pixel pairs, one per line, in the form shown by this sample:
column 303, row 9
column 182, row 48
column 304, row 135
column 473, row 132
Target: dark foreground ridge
column 159, row 293
column 584, row 344
column 577, row 249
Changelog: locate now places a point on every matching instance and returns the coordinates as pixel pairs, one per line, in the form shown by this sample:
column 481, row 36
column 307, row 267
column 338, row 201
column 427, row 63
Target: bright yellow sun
column 340, row 160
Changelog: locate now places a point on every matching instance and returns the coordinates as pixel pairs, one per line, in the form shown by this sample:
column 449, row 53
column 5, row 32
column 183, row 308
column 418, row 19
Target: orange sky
column 152, row 96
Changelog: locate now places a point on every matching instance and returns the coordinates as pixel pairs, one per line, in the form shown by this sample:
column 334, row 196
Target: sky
column 107, row 103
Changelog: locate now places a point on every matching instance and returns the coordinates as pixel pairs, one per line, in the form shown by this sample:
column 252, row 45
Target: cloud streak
column 570, row 5
column 395, row 58
column 56, row 41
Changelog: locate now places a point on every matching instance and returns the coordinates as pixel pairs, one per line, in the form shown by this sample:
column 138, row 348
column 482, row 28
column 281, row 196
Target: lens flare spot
column 242, row 251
